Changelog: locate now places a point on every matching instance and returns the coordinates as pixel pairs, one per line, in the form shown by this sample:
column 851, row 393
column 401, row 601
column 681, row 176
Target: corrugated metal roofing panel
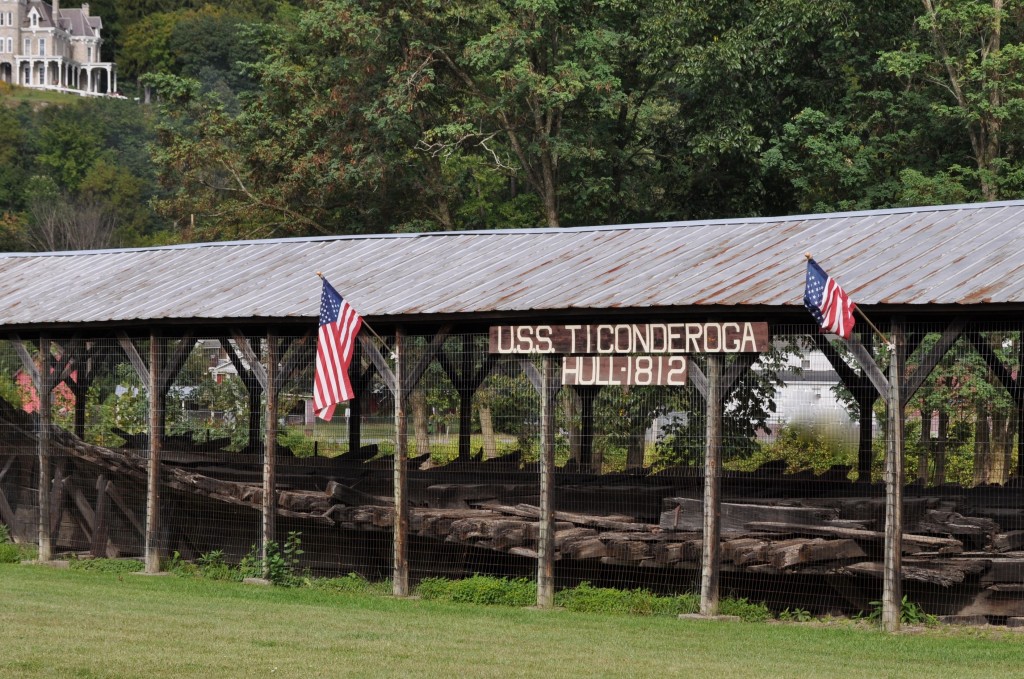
column 964, row 254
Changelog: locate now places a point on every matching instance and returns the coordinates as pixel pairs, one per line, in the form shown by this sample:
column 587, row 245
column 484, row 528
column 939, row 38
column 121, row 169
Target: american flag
column 827, row 302
column 339, row 325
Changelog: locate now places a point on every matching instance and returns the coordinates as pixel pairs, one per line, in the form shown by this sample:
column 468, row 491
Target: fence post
column 712, row 488
column 892, row 566
column 400, row 575
column 269, row 453
column 43, row 440
column 546, row 537
column 156, row 398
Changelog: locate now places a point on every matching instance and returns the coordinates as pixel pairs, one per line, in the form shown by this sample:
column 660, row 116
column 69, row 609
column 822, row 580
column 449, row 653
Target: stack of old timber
column 962, row 548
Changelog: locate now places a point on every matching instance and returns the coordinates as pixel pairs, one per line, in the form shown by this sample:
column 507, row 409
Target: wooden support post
column 587, row 396
column 269, row 454
column 156, row 419
column 546, row 535
column 44, row 388
column 355, row 406
column 712, row 486
column 99, row 523
column 1018, row 394
column 400, row 566
column 892, row 559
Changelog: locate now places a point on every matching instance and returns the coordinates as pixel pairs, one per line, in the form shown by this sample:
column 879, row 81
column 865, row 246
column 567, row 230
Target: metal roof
column 946, row 255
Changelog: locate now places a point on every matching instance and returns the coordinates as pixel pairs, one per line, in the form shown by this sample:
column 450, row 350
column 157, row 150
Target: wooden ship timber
column 790, row 540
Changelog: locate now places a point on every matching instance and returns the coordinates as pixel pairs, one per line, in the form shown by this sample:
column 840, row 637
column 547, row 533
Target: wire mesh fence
column 802, row 512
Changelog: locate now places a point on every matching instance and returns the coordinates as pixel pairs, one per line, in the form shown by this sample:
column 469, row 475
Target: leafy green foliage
column 795, row 615
column 281, row 566
column 910, row 613
column 585, row 598
column 118, row 566
column 11, row 552
column 748, row 611
column 481, row 589
column 803, row 447
column 353, row 583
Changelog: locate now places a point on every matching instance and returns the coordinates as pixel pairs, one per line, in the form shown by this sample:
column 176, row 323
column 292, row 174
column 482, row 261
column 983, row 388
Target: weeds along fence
column 508, row 473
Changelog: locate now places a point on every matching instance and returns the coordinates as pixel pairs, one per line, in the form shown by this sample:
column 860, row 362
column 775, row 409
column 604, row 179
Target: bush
column 353, row 583
column 747, row 611
column 13, row 553
column 583, row 598
column 282, row 563
column 106, row 565
column 481, row 589
column 212, row 565
column 587, row 599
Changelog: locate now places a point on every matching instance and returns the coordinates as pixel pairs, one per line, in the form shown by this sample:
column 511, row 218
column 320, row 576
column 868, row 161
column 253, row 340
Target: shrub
column 747, row 611
column 481, row 589
column 282, row 563
column 587, row 599
column 12, row 553
column 106, row 565
column 353, row 583
column 212, row 565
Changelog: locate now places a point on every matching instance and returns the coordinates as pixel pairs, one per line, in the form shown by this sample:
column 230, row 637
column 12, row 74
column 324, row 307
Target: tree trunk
column 572, row 424
column 940, row 449
column 982, row 447
column 487, row 430
column 418, row 402
column 1005, row 429
column 635, row 451
column 926, row 442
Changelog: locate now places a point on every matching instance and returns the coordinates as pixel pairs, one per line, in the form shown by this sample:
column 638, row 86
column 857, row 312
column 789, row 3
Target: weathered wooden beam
column 912, row 544
column 415, row 373
column 987, row 352
column 7, row 467
column 379, row 362
column 867, row 363
column 68, row 363
column 546, row 537
column 913, row 382
column 27, row 362
column 156, row 426
column 269, row 454
column 710, row 558
column 100, row 526
column 132, row 352
column 535, row 377
column 7, row 515
column 45, row 392
column 173, row 364
column 893, row 550
column 698, row 379
column 296, row 357
column 115, row 495
column 400, row 571
column 255, row 366
column 56, row 501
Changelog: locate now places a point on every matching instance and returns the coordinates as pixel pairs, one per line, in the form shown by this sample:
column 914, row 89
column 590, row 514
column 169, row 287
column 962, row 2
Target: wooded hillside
column 340, row 116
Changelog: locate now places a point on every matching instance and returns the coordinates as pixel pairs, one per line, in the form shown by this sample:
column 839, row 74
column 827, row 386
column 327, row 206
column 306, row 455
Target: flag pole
column 367, row 325
column 856, row 308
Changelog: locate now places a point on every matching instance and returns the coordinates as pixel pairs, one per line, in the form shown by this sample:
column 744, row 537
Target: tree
column 967, row 59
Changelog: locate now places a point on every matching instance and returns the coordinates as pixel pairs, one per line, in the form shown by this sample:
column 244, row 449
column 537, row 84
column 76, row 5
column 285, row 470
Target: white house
column 44, row 46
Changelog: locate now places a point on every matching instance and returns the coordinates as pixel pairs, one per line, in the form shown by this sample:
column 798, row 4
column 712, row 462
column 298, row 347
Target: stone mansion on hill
column 45, row 46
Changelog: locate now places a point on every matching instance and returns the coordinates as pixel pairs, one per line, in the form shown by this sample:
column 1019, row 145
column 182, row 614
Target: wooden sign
column 630, row 338
column 634, row 370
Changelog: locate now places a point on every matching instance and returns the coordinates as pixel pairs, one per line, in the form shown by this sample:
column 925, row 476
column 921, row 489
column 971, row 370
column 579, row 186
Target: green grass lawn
column 12, row 95
column 60, row 623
